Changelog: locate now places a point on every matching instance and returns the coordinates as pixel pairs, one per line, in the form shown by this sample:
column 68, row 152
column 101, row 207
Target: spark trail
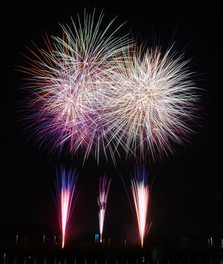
column 141, row 194
column 66, row 198
column 104, row 185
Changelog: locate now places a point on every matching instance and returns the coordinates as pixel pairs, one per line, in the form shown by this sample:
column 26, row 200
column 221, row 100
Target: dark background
column 187, row 193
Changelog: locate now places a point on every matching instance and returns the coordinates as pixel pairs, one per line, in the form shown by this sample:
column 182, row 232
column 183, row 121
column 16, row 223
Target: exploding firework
column 66, row 197
column 69, row 85
column 104, row 185
column 94, row 92
column 153, row 102
column 141, row 194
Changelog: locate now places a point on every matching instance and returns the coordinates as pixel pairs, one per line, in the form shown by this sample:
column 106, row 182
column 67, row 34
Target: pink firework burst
column 68, row 82
column 66, row 198
column 104, row 185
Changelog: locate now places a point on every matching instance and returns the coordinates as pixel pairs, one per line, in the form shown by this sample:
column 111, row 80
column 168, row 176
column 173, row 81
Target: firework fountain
column 66, row 198
column 141, row 194
column 104, row 185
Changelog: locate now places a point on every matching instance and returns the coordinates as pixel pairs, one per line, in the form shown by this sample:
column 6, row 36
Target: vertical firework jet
column 141, row 193
column 104, row 185
column 66, row 197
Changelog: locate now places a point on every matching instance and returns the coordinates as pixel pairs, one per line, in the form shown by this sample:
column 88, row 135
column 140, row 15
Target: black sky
column 187, row 193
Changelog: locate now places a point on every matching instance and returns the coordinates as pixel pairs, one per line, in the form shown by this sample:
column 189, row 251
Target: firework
column 104, row 185
column 66, row 197
column 152, row 103
column 94, row 92
column 141, row 193
column 69, row 85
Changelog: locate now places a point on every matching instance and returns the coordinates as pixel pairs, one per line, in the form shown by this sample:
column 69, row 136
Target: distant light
column 210, row 241
column 16, row 239
column 96, row 238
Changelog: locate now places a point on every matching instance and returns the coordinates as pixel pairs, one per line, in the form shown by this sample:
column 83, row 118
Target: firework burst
column 153, row 101
column 66, row 197
column 68, row 83
column 141, row 194
column 104, row 185
column 93, row 92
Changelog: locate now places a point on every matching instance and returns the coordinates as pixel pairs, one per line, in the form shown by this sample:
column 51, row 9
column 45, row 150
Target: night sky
column 187, row 192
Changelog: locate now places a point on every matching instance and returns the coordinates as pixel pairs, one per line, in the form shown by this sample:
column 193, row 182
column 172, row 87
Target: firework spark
column 141, row 194
column 152, row 103
column 66, row 197
column 68, row 82
column 104, row 185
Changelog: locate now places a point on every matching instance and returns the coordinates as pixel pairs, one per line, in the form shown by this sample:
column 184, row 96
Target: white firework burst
column 153, row 102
